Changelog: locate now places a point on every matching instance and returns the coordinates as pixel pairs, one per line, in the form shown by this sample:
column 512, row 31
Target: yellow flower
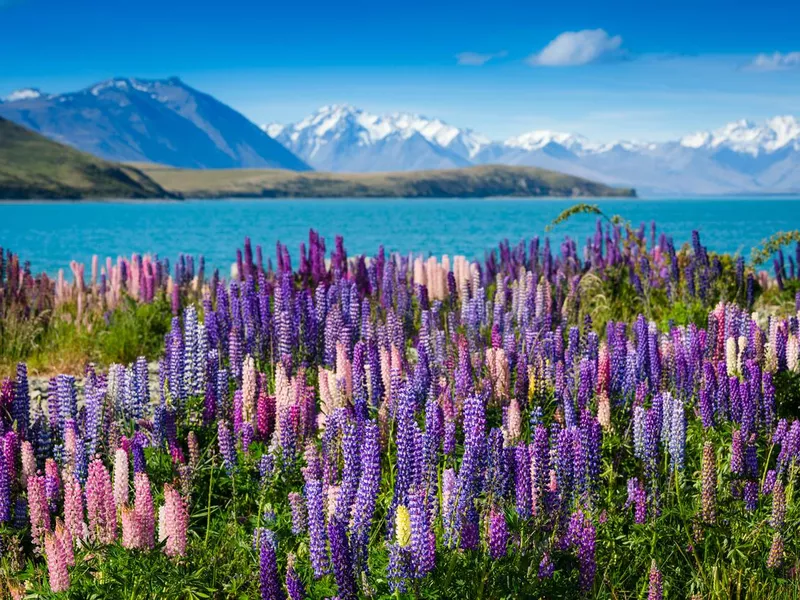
column 403, row 526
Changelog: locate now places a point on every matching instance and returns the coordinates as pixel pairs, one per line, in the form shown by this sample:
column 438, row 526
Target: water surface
column 51, row 234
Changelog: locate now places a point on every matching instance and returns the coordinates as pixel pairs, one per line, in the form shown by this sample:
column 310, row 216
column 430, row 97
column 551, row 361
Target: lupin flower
column 775, row 557
column 423, row 539
column 38, row 509
column 522, row 481
column 28, row 462
column 298, row 507
column 341, row 560
column 194, row 449
column 101, row 509
column 121, row 478
column 655, row 590
column 498, row 536
column 173, row 522
column 709, row 484
column 778, row 506
column 268, row 569
column 316, row 527
column 582, row 535
column 226, row 446
column 56, row 564
column 64, row 538
column 294, row 585
column 143, row 509
column 546, row 567
column 73, row 506
column 5, row 489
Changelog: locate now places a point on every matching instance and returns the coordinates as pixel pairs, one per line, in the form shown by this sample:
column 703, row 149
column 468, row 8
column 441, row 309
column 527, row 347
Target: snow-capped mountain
column 161, row 121
column 751, row 138
column 168, row 122
column 739, row 157
column 344, row 138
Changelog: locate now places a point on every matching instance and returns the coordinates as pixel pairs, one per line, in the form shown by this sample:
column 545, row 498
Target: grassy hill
column 32, row 166
column 472, row 182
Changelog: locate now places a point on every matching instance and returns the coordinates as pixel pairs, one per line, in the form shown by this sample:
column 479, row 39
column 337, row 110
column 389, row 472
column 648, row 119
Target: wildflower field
column 616, row 418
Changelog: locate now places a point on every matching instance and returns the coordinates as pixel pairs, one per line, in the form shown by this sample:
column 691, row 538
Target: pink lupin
column 28, row 462
column 64, row 538
column 38, row 510
column 143, row 507
column 56, row 564
column 100, row 504
column 73, row 506
column 121, row 477
column 173, row 521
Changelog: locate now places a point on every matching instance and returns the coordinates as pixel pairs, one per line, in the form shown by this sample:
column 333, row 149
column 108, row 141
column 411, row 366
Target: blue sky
column 604, row 69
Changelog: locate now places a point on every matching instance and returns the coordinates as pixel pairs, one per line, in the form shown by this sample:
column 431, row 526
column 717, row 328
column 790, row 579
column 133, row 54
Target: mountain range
column 35, row 167
column 167, row 122
column 741, row 157
column 161, row 121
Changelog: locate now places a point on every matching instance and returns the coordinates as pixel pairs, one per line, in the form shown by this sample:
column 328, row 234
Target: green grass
column 62, row 345
column 477, row 182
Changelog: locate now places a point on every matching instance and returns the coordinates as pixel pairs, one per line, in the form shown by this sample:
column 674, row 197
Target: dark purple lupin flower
column 399, row 568
column 226, row 446
column 366, row 493
column 737, row 453
column 540, row 467
column 318, row 543
column 498, row 534
column 497, row 467
column 468, row 475
column 522, row 481
column 582, row 535
column 294, row 585
column 341, row 559
column 268, row 572
column 5, row 490
column 546, row 567
column 637, row 497
column 423, row 540
column 21, row 405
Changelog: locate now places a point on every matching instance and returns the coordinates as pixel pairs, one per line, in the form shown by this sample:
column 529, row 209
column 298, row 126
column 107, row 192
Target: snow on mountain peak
column 535, row 140
column 23, row 94
column 273, row 130
column 748, row 137
column 337, row 120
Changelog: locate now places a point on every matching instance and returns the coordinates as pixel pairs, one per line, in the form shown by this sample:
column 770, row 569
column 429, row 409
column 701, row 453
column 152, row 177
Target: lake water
column 52, row 234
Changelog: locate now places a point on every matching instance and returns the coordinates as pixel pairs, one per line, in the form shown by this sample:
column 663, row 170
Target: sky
column 607, row 70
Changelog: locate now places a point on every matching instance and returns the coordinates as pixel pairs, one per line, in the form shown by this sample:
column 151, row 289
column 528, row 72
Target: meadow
column 612, row 418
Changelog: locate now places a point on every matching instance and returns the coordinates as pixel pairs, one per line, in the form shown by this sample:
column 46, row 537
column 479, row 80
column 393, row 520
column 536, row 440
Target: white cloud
column 476, row 59
column 774, row 62
column 574, row 48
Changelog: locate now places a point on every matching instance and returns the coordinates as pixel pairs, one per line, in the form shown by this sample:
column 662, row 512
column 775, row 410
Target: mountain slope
column 163, row 121
column 473, row 182
column 31, row 166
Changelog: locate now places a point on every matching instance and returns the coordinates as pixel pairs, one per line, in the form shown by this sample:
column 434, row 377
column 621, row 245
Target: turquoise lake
column 49, row 234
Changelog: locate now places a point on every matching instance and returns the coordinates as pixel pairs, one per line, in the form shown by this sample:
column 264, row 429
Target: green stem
column 766, row 466
column 208, row 506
